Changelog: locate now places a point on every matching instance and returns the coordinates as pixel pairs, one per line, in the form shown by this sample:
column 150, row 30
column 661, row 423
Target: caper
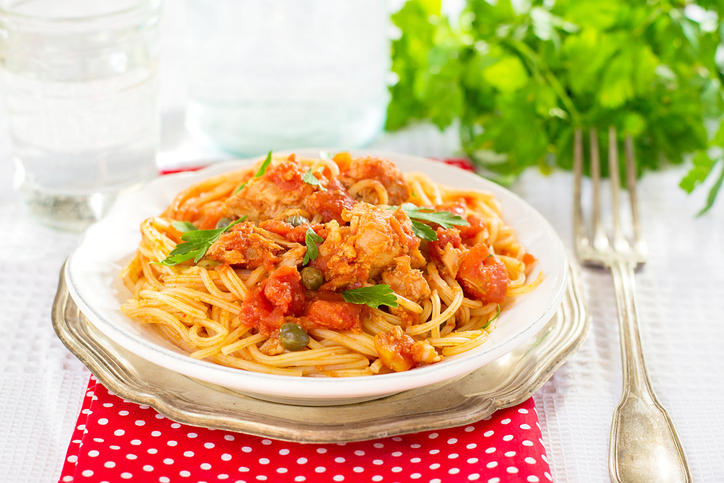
column 312, row 278
column 223, row 223
column 297, row 220
column 293, row 337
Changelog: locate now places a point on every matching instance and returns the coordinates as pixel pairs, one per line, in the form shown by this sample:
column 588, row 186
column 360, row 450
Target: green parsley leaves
column 197, row 242
column 311, row 239
column 260, row 172
column 373, row 296
column 309, row 178
column 517, row 79
column 419, row 214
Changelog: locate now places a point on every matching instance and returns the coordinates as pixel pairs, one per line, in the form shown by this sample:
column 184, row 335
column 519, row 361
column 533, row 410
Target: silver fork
column 644, row 446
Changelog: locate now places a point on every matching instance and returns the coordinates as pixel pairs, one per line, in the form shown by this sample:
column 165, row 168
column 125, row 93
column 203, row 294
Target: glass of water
column 80, row 82
column 281, row 74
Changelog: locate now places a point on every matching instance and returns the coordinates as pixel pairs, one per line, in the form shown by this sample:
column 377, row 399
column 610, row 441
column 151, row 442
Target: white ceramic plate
column 92, row 277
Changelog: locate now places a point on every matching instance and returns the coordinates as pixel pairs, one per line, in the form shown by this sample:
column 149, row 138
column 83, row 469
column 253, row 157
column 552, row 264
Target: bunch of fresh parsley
column 520, row 76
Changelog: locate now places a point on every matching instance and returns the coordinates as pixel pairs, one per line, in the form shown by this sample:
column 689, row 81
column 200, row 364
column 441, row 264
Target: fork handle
column 644, row 445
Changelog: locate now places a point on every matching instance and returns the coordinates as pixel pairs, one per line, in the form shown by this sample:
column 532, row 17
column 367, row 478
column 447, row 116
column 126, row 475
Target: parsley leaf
column 260, row 172
column 309, row 178
column 197, row 243
column 423, row 231
column 443, row 218
column 184, row 226
column 311, row 239
column 373, row 296
column 518, row 81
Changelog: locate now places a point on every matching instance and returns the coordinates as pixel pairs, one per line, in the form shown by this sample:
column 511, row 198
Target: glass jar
column 280, row 74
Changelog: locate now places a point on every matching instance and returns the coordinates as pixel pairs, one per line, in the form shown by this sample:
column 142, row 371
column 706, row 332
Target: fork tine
column 578, row 229
column 619, row 241
column 599, row 235
column 631, row 185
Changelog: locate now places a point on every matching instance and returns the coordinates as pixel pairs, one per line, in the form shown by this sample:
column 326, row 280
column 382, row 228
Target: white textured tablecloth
column 681, row 302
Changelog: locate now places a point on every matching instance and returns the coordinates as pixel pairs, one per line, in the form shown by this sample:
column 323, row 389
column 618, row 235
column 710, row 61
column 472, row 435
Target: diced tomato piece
column 328, row 310
column 256, row 311
column 483, row 276
column 283, row 289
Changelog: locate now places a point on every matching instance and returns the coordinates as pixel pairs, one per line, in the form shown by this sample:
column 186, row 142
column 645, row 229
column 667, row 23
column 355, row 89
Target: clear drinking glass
column 278, row 74
column 80, row 82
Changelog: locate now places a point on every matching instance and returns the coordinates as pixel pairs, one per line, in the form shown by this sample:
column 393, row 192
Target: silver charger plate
column 505, row 382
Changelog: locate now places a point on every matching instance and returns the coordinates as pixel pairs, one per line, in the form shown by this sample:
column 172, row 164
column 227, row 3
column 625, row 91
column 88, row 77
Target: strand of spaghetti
column 436, row 311
column 375, row 325
column 175, row 208
column 210, row 351
column 457, row 338
column 514, row 292
column 304, row 357
column 484, row 310
column 212, row 288
column 376, row 366
column 475, row 323
column 419, row 191
column 426, row 310
column 437, row 281
column 432, row 188
column 232, row 282
column 449, row 311
column 349, row 373
column 173, row 302
column 241, row 343
column 373, row 184
column 255, row 276
column 358, row 364
column 199, row 340
column 459, row 349
column 238, row 363
column 392, row 319
column 222, row 189
column 342, row 338
column 327, row 164
column 151, row 315
column 130, row 274
column 408, row 304
column 449, row 326
column 207, row 298
column 149, row 275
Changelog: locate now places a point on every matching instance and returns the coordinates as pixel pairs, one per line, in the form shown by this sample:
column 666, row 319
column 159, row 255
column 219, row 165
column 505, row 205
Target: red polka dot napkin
column 116, row 440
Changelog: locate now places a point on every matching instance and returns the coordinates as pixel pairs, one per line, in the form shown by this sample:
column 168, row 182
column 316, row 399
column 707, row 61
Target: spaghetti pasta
column 326, row 267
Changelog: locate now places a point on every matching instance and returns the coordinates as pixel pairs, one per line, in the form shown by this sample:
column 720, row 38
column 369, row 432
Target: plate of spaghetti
column 314, row 279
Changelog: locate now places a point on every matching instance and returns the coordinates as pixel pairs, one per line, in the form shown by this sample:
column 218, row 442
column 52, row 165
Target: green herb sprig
column 197, row 242
column 309, row 178
column 373, row 296
column 311, row 239
column 443, row 218
column 260, row 172
column 520, row 78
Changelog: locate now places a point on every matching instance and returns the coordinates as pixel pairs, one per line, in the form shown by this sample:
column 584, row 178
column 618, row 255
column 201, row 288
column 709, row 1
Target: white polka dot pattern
column 116, row 440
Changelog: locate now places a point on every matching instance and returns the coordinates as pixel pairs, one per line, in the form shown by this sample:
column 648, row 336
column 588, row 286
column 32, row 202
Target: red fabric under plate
column 116, row 440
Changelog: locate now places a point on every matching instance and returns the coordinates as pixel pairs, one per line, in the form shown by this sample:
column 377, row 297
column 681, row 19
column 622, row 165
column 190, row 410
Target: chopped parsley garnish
column 197, row 242
column 373, row 296
column 260, row 172
column 311, row 239
column 309, row 178
column 419, row 214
